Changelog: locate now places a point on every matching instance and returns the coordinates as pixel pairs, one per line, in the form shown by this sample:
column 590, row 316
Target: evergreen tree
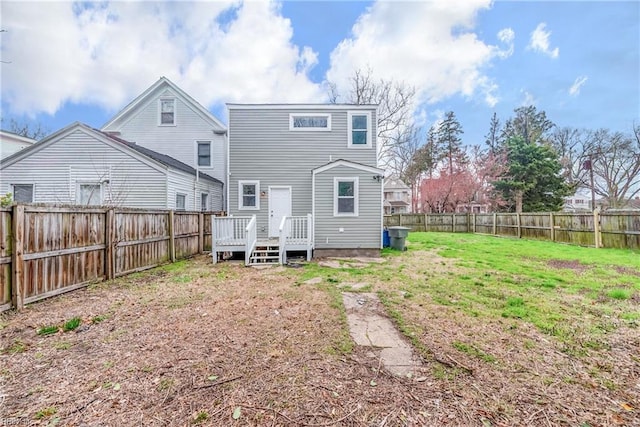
column 448, row 137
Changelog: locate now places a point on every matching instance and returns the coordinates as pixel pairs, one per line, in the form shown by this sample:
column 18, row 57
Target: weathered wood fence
column 45, row 250
column 599, row 229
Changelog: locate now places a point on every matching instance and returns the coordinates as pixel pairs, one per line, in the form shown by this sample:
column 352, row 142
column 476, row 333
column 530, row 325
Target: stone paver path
column 369, row 327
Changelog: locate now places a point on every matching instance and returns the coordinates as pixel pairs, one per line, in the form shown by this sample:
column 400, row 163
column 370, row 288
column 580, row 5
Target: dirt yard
column 198, row 344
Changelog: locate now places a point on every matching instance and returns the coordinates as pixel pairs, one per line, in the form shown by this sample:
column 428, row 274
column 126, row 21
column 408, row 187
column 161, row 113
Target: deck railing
column 296, row 233
column 229, row 233
column 251, row 238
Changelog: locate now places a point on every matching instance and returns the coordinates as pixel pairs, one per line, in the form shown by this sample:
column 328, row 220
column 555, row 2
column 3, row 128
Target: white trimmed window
column 181, row 202
column 249, row 195
column 167, row 109
column 204, row 201
column 204, row 153
column 345, row 196
column 89, row 194
column 310, row 122
column 23, row 193
column 359, row 124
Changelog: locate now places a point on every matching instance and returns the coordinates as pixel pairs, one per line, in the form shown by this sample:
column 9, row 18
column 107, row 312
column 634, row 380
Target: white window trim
column 356, row 182
column 241, row 198
column 175, row 111
column 33, row 190
column 81, row 183
column 350, row 143
column 204, row 141
column 206, row 208
column 292, row 116
column 185, row 201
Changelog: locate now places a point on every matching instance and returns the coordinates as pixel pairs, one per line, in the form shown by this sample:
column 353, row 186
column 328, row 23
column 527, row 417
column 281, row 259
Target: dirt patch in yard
column 198, row 344
column 572, row 264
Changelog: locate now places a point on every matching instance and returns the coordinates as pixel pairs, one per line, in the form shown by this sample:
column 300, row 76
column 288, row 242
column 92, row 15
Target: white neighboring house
column 397, row 196
column 167, row 120
column 84, row 166
column 11, row 143
column 579, row 202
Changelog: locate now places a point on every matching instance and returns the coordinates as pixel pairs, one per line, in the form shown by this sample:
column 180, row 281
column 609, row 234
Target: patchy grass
column 510, row 332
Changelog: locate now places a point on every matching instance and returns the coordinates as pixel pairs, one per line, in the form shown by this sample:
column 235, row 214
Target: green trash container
column 398, row 236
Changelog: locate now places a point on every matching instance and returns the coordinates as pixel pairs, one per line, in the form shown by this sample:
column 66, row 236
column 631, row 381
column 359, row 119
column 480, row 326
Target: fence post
column 426, row 222
column 453, row 223
column 109, row 243
column 552, row 226
column 519, row 225
column 468, row 220
column 17, row 260
column 597, row 236
column 172, row 238
column 399, row 219
column 495, row 228
column 200, row 232
column 473, row 216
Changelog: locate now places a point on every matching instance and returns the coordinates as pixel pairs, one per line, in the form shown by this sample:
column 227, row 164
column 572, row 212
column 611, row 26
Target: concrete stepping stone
column 369, row 327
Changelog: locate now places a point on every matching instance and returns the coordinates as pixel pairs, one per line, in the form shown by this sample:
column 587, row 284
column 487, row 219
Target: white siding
column 78, row 157
column 179, row 141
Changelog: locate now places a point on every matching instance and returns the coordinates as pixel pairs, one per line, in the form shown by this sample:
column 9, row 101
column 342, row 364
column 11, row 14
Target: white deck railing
column 229, row 233
column 251, row 239
column 296, row 233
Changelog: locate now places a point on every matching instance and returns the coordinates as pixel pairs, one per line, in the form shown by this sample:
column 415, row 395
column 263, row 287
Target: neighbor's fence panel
column 620, row 230
column 574, row 228
column 186, row 233
column 62, row 249
column 5, row 259
column 609, row 229
column 141, row 240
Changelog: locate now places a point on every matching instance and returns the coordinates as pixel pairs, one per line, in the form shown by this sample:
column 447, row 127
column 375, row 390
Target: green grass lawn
column 575, row 294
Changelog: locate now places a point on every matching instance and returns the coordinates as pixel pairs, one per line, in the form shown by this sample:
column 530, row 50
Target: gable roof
column 349, row 164
column 395, row 183
column 14, row 137
column 151, row 93
column 153, row 158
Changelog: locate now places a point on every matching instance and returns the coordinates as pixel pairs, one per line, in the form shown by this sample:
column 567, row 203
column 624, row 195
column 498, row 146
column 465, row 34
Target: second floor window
column 168, row 112
column 204, row 153
column 310, row 122
column 359, row 133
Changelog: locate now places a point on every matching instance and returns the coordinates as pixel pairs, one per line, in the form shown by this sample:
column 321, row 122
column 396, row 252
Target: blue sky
column 578, row 61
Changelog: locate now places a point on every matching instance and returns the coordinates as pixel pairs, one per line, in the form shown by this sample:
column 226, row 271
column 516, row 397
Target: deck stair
column 265, row 252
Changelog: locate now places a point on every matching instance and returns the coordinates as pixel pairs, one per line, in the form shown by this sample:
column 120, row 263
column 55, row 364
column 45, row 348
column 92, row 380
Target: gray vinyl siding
column 177, row 141
column 262, row 148
column 58, row 168
column 363, row 231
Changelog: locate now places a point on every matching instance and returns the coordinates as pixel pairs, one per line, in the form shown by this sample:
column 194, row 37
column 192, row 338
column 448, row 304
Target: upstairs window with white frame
column 204, row 153
column 310, row 122
column 345, row 196
column 89, row 194
column 181, row 202
column 167, row 112
column 23, row 193
column 359, row 124
column 249, row 195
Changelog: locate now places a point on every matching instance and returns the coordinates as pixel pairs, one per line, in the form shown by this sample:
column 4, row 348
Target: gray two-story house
column 301, row 177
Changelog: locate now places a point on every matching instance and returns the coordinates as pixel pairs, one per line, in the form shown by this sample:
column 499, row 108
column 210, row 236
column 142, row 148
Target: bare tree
column 614, row 160
column 394, row 100
column 29, row 130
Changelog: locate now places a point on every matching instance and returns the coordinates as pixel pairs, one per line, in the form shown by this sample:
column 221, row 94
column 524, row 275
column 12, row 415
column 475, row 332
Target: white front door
column 279, row 206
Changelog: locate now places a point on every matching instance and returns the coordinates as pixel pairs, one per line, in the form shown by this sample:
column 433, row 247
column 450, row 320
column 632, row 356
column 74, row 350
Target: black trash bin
column 398, row 236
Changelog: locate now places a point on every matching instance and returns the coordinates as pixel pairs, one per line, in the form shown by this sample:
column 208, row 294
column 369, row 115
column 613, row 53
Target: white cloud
column 506, row 36
column 429, row 45
column 107, row 53
column 527, row 99
column 574, row 90
column 539, row 41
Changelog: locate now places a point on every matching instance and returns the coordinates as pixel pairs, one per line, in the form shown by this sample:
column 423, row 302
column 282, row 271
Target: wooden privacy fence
column 598, row 229
column 45, row 250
